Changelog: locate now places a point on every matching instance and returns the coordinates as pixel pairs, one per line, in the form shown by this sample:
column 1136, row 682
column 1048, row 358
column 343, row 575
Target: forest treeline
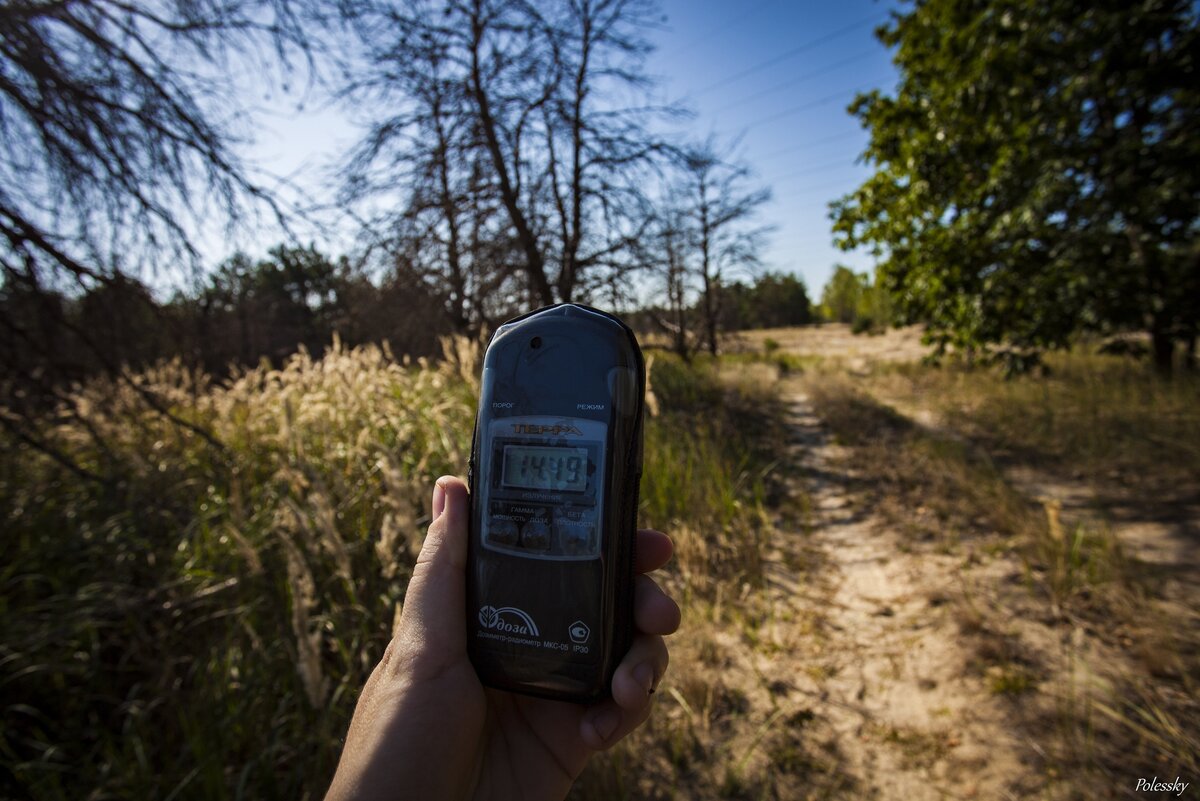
column 249, row 310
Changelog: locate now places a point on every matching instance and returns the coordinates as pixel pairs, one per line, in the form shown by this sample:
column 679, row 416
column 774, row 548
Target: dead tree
column 726, row 236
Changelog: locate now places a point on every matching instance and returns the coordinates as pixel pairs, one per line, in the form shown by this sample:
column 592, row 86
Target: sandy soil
column 889, row 684
column 835, row 341
column 873, row 672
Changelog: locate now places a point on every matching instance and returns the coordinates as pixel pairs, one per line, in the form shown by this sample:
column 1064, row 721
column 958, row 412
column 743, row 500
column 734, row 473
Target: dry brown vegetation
column 1071, row 499
column 965, row 591
column 198, row 620
column 896, row 580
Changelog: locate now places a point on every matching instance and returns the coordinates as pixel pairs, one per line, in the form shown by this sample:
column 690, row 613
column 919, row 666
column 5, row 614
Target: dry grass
column 1102, row 418
column 198, row 623
column 1103, row 710
column 932, row 487
column 709, row 457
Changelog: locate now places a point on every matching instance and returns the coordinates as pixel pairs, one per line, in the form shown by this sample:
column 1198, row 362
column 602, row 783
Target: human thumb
column 433, row 622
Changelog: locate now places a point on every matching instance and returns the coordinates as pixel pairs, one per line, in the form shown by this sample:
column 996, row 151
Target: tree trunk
column 1163, row 346
column 711, row 282
column 710, row 315
column 535, row 265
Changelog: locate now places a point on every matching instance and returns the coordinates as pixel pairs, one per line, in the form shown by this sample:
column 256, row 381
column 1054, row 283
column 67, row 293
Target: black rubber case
column 555, row 467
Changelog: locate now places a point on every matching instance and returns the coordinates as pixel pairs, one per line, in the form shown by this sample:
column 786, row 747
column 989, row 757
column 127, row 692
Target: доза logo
column 508, row 619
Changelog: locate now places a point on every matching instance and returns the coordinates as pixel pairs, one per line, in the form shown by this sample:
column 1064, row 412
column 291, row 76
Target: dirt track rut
column 890, row 690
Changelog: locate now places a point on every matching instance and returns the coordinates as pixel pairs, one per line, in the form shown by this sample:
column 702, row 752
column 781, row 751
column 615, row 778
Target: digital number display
column 546, row 468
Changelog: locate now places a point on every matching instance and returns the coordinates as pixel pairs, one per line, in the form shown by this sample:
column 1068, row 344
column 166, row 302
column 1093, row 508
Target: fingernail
column 643, row 674
column 439, row 500
column 605, row 722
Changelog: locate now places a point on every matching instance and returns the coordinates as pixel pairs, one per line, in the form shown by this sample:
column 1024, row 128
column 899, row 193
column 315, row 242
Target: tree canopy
column 855, row 299
column 773, row 300
column 1035, row 173
column 520, row 136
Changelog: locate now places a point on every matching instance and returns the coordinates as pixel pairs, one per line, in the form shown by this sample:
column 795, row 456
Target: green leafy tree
column 1035, row 173
column 781, row 299
column 297, row 296
column 842, row 295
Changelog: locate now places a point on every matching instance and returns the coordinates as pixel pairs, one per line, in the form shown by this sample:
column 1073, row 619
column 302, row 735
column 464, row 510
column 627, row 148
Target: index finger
column 654, row 550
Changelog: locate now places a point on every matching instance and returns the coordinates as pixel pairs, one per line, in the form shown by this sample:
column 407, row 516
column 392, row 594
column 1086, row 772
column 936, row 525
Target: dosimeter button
column 536, row 535
column 502, row 532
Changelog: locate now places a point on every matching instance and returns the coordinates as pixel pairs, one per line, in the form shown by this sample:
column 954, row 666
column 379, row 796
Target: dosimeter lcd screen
column 545, row 467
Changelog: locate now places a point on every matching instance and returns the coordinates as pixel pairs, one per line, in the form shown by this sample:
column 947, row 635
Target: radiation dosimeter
column 554, row 473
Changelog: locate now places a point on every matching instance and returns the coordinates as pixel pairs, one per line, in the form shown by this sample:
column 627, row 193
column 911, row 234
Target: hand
column 426, row 728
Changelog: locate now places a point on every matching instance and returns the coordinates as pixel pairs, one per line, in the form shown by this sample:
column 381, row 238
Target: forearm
column 406, row 741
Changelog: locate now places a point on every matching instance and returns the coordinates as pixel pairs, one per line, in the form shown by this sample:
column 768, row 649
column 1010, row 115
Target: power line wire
column 814, row 103
column 731, row 24
column 799, row 80
column 812, row 190
column 811, row 170
column 820, row 40
column 793, row 148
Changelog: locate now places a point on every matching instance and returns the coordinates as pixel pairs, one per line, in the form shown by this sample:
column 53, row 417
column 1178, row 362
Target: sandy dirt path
column 890, row 687
column 878, row 661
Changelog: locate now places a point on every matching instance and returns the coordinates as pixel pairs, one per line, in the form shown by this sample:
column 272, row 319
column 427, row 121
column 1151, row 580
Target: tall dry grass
column 1087, row 415
column 712, row 454
column 709, row 449
column 198, row 622
column 1126, row 684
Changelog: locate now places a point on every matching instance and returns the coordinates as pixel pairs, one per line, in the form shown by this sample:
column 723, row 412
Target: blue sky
column 774, row 75
column 779, row 74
